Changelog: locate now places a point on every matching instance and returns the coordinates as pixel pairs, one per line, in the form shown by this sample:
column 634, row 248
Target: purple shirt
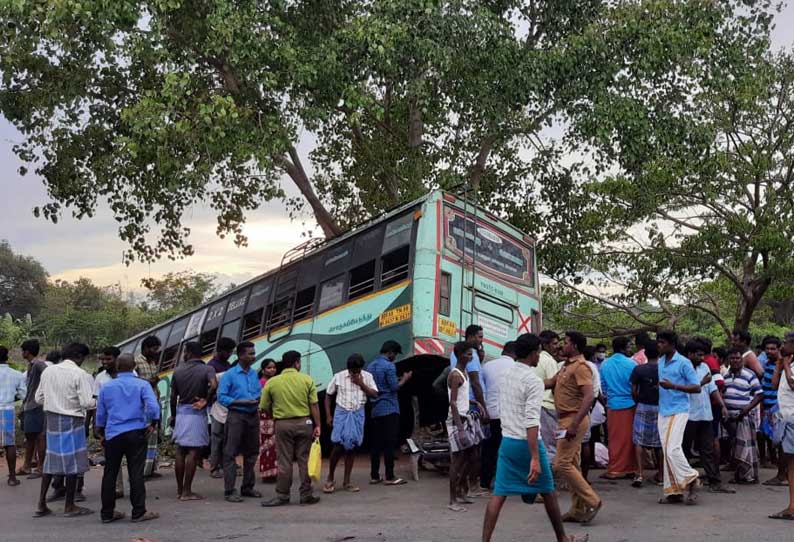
column 219, row 366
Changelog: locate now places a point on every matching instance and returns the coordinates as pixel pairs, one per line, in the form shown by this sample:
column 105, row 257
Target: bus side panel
column 427, row 258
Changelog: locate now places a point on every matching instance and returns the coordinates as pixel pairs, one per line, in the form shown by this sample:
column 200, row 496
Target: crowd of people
column 540, row 415
column 548, row 402
column 220, row 411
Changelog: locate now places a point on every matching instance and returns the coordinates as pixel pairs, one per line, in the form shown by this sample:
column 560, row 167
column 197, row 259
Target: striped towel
column 66, row 449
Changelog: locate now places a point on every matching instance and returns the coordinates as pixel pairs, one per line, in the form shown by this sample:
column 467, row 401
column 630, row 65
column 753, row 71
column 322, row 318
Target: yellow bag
column 315, row 461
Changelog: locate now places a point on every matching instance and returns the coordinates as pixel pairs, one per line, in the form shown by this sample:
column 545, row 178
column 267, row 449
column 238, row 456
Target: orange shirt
column 567, row 393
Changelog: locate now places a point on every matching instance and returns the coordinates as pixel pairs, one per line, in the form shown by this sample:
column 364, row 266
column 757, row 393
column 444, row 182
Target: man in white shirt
column 523, row 467
column 350, row 389
column 493, row 373
column 783, row 381
column 66, row 391
column 546, row 368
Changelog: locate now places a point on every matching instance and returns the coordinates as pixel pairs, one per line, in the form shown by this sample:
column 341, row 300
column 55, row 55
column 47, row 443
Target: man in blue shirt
column 240, row 392
column 677, row 381
column 616, row 386
column 385, row 412
column 699, row 429
column 769, row 358
column 127, row 411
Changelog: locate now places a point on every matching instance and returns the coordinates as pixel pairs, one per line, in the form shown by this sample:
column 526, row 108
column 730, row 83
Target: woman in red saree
column 268, row 468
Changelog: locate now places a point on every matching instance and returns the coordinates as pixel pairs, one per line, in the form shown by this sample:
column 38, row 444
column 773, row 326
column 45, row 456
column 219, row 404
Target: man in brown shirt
column 573, row 395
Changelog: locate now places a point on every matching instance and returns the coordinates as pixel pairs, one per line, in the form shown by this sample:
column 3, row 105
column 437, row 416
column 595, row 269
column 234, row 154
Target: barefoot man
column 523, row 468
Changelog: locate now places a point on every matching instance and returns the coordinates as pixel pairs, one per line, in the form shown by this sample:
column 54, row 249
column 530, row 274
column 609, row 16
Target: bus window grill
column 303, row 312
column 168, row 364
column 394, row 275
column 208, row 348
column 251, row 324
column 361, row 288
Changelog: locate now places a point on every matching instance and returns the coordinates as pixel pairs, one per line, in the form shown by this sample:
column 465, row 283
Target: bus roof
column 322, row 244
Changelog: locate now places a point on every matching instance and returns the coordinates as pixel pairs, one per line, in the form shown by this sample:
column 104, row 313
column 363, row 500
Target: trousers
column 490, row 452
column 567, row 465
column 701, row 433
column 294, row 437
column 132, row 446
column 385, row 433
column 241, row 438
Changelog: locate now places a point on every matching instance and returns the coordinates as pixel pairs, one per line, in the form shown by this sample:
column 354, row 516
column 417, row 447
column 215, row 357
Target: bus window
column 304, row 303
column 252, row 323
column 232, row 330
column 331, row 293
column 280, row 314
column 395, row 266
column 128, row 348
column 171, row 352
column 444, row 293
column 208, row 340
column 362, row 280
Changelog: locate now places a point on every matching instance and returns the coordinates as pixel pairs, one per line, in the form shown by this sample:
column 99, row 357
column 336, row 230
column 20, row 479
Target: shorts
column 33, row 420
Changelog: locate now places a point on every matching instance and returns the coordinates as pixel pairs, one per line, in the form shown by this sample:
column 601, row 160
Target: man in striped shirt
column 742, row 394
column 769, row 409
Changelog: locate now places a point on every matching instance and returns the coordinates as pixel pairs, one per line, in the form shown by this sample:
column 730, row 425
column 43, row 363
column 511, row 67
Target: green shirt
column 289, row 395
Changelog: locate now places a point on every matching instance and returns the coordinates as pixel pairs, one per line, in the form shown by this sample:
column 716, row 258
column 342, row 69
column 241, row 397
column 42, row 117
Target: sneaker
column 311, row 499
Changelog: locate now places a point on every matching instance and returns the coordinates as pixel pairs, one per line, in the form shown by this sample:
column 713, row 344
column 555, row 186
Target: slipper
column 395, row 482
column 464, row 500
column 782, row 515
column 352, row 488
column 42, row 513
column 329, row 487
column 146, row 517
column 670, row 500
column 374, row 481
column 192, row 497
column 79, row 512
column 116, row 516
column 23, row 472
column 456, row 508
column 591, row 512
column 34, row 475
column 13, row 482
column 638, row 481
column 776, row 482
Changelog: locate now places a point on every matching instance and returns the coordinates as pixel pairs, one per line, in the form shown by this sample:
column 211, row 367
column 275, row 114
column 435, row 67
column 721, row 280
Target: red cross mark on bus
column 525, row 322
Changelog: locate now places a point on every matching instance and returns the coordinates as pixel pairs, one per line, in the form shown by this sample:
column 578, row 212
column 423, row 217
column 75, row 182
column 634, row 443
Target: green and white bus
column 418, row 275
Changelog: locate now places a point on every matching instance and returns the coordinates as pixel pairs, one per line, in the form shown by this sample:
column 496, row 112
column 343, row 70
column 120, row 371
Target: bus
column 419, row 275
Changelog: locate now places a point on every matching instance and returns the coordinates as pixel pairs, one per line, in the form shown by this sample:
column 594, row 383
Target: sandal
column 80, row 511
column 776, row 482
column 782, row 515
column 146, row 517
column 456, row 508
column 374, row 481
column 13, row 482
column 638, row 481
column 395, row 482
column 329, row 487
column 42, row 513
column 352, row 488
column 116, row 516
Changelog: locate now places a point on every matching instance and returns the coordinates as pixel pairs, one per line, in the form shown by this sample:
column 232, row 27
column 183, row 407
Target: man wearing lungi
column 191, row 385
column 239, row 393
column 677, row 381
column 616, row 385
column 349, row 389
column 645, row 433
column 523, row 467
column 146, row 365
column 32, row 413
column 12, row 387
column 742, row 395
column 66, row 391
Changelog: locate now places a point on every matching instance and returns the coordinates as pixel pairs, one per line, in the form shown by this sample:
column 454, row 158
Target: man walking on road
column 66, row 391
column 523, row 467
column 573, row 397
column 127, row 410
column 493, row 374
column 385, row 412
column 291, row 398
column 240, row 393
column 677, row 381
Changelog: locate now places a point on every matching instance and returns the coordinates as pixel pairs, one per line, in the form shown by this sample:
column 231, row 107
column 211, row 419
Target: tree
column 177, row 292
column 156, row 105
column 22, row 283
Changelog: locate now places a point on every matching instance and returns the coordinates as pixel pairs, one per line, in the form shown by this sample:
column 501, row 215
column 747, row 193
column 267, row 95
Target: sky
column 91, row 248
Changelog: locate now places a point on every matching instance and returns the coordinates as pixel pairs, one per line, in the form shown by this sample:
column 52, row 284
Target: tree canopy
column 22, row 283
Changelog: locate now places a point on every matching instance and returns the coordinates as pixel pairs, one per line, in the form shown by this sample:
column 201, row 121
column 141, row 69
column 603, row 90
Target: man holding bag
column 291, row 398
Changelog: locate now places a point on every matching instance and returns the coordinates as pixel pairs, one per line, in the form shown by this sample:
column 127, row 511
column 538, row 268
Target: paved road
column 414, row 512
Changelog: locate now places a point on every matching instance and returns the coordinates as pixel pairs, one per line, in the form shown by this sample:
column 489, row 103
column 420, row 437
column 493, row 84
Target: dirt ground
column 414, row 512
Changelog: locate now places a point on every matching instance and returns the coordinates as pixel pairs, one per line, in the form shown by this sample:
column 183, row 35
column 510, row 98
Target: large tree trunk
column 752, row 294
